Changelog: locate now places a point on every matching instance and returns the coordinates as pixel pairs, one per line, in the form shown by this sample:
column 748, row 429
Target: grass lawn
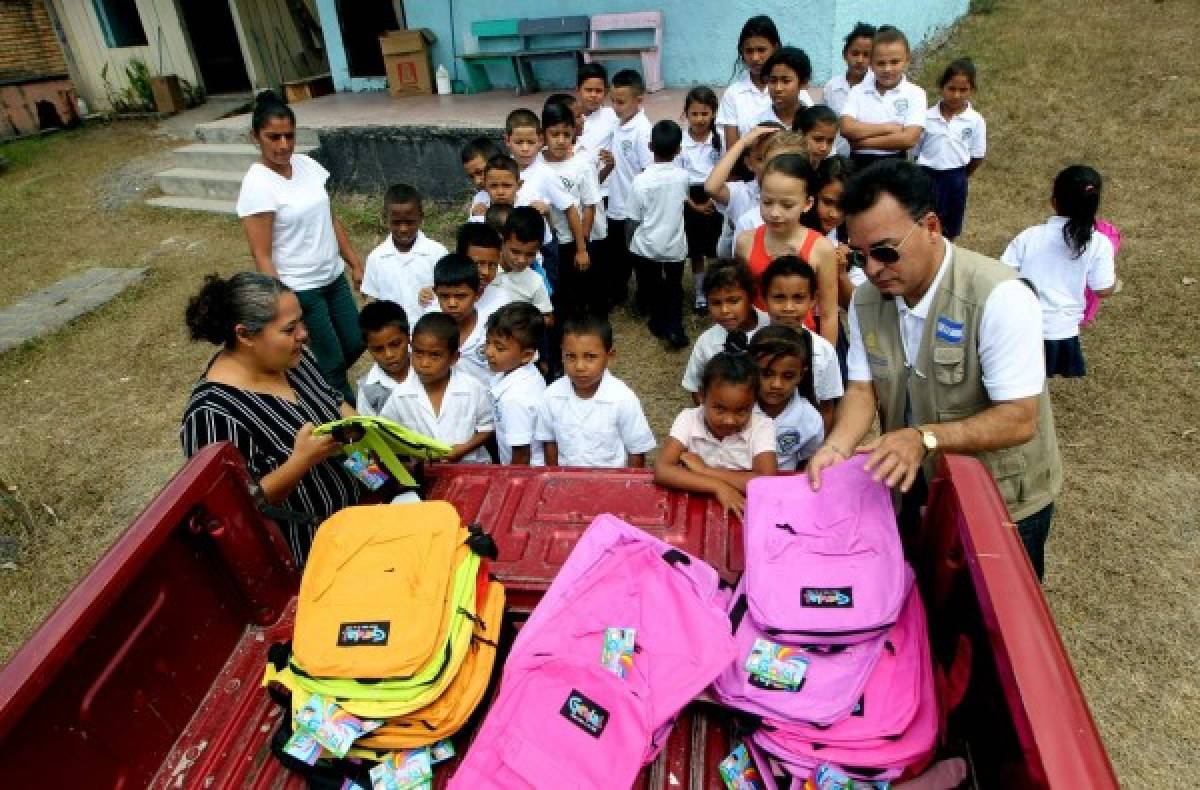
column 89, row 416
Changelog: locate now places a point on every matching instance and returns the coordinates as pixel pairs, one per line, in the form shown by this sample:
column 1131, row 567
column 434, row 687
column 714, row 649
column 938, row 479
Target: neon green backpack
column 386, row 440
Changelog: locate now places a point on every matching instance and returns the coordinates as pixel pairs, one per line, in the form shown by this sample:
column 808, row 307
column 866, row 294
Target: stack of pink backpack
column 562, row 718
column 826, row 588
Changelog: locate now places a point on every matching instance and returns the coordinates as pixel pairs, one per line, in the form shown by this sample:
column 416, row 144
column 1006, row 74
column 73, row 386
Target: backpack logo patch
column 373, row 634
column 584, row 714
column 827, row 597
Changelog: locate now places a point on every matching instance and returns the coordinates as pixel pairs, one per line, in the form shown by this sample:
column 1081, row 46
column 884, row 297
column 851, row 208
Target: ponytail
column 247, row 299
column 1077, row 197
column 734, row 365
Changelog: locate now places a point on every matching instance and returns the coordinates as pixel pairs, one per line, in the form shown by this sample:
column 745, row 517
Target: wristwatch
column 928, row 439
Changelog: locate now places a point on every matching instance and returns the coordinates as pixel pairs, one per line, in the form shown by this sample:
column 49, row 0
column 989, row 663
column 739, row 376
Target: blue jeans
column 1033, row 531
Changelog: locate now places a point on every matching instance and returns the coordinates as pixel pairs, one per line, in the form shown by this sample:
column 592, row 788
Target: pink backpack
column 561, row 718
column 827, row 566
column 1091, row 302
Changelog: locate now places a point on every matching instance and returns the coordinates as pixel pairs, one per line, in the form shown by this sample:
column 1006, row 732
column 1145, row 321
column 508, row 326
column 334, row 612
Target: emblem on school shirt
column 627, row 147
column 714, row 156
column 949, row 331
column 787, row 442
column 901, row 106
column 967, row 133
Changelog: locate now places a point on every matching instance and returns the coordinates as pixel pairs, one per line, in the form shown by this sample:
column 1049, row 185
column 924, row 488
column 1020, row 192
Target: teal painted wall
column 700, row 36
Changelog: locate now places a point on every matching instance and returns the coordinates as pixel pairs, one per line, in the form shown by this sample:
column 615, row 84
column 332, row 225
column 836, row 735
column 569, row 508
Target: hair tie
column 1089, row 188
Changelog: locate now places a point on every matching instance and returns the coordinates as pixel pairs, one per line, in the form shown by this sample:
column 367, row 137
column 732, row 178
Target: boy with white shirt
column 514, row 333
column 475, row 155
column 522, row 236
column 884, row 115
column 658, row 243
column 456, row 285
column 599, row 122
column 438, row 401
column 589, row 417
column 631, row 155
column 385, row 331
column 856, row 51
column 402, row 266
column 483, row 244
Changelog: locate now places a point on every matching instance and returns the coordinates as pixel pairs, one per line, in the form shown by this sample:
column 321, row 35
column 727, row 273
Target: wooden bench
column 514, row 43
column 649, row 54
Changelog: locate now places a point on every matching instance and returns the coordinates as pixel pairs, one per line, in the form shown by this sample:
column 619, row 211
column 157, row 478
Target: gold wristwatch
column 928, row 439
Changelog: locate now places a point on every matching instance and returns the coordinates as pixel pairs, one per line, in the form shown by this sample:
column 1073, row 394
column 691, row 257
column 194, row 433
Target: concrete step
column 201, row 183
column 226, row 132
column 224, row 156
column 194, row 204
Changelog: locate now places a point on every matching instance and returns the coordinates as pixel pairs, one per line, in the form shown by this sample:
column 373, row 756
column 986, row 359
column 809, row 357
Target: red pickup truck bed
column 148, row 673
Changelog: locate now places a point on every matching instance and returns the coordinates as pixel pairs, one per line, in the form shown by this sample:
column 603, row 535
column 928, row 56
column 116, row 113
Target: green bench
column 517, row 43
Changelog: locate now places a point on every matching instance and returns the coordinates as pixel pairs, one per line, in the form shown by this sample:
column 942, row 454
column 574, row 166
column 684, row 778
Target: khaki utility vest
column 947, row 383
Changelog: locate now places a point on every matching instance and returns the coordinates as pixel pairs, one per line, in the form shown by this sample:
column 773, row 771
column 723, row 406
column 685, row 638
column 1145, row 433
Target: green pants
column 331, row 317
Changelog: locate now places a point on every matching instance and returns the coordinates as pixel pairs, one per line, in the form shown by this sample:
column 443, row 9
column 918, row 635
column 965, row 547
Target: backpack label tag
column 373, row 634
column 584, row 714
column 827, row 597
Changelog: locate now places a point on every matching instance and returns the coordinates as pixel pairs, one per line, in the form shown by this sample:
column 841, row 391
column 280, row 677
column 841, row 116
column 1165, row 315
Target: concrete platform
column 49, row 309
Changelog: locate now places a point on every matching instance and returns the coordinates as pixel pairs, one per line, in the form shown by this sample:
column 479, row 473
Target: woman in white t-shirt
column 746, row 98
column 1062, row 259
column 294, row 236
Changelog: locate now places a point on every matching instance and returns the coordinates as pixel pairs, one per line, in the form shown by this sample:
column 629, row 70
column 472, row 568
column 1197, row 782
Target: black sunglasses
column 887, row 254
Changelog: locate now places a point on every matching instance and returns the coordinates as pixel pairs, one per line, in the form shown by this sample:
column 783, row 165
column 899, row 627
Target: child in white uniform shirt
column 787, row 73
column 1062, row 258
column 589, row 417
column 475, row 155
column 483, row 243
column 438, row 401
column 401, row 268
column 884, row 115
column 456, row 284
column 856, row 51
column 513, row 335
column 631, row 155
column 953, row 145
column 522, row 237
column 746, row 97
column 785, row 393
column 729, row 288
column 385, row 330
column 719, row 446
column 599, row 122
column 659, row 245
column 699, row 155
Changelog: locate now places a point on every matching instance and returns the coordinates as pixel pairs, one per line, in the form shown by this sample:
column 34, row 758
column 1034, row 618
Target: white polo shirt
column 656, row 204
column 750, row 220
column 710, row 343
column 947, row 145
column 539, row 182
column 769, row 116
column 743, row 196
column 698, row 157
column 482, row 198
column 578, row 177
column 735, row 451
column 741, row 104
column 374, row 389
column 493, row 298
column 631, row 155
column 1042, row 256
column 835, row 94
column 598, row 129
column 827, row 374
column 799, row 433
column 600, row 431
column 466, row 411
column 903, row 104
column 526, row 286
column 1010, row 338
column 399, row 276
column 471, row 359
column 516, row 399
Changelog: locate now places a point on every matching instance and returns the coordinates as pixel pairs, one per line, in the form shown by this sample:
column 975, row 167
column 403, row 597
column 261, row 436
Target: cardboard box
column 168, row 94
column 408, row 60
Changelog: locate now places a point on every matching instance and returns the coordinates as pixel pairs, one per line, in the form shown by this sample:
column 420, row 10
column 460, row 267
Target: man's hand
column 896, row 457
column 824, row 458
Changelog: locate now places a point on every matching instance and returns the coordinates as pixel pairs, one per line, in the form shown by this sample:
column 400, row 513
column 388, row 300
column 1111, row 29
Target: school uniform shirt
column 539, row 182
column 578, row 177
column 799, row 432
column 835, row 93
column 374, row 389
column 710, row 343
column 263, row 429
column 466, row 411
column 827, row 373
column 494, row 297
column 526, row 286
column 516, row 398
column 656, row 204
column 1042, row 256
column 598, row 129
column 948, row 145
column 471, row 359
column 743, row 196
column 769, row 115
column 482, row 198
column 903, row 104
column 1010, row 333
column 735, row 451
column 698, row 157
column 742, row 103
column 631, row 155
column 600, row 431
column 750, row 220
column 304, row 247
column 399, row 276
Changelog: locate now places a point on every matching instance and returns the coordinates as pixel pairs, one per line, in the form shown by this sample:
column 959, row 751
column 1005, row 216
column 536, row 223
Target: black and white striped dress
column 263, row 427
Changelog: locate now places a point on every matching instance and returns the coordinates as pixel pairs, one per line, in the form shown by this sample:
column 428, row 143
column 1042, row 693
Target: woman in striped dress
column 264, row 393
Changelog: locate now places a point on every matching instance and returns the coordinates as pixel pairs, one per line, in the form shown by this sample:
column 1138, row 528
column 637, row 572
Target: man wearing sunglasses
column 946, row 347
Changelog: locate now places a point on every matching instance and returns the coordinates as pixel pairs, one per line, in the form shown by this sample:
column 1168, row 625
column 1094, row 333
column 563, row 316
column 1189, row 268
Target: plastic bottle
column 443, row 81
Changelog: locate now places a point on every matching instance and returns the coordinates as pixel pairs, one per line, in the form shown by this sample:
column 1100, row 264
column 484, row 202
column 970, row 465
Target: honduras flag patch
column 949, row 331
